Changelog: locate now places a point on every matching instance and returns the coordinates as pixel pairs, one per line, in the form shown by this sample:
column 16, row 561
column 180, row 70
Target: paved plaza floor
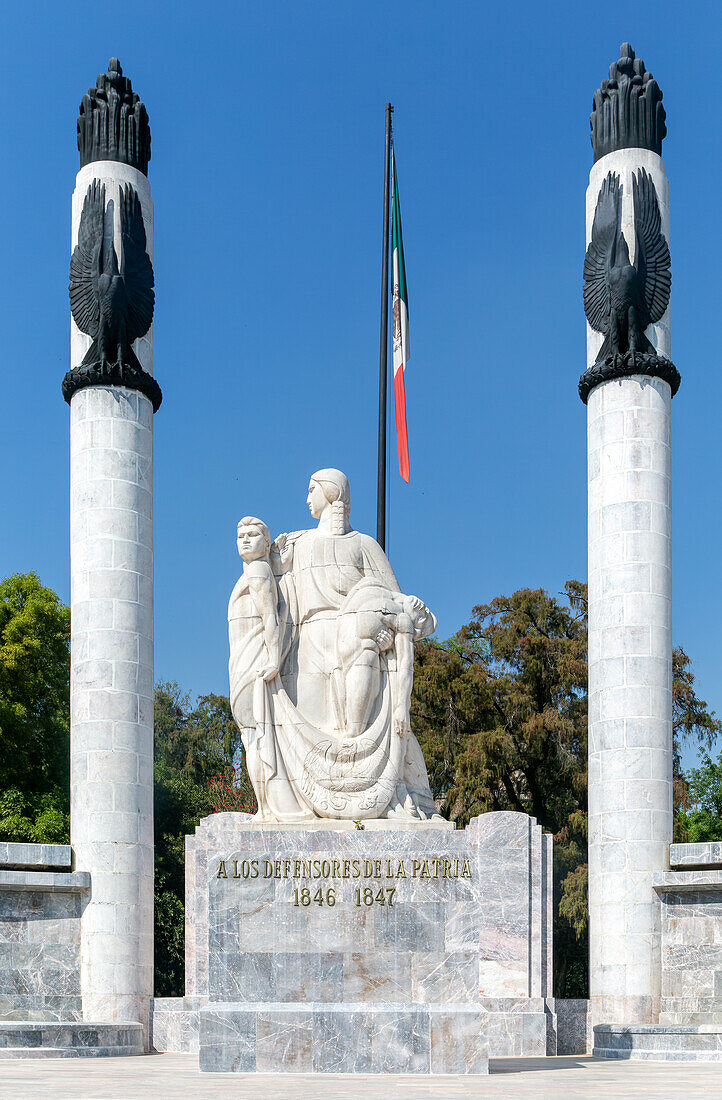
column 171, row 1076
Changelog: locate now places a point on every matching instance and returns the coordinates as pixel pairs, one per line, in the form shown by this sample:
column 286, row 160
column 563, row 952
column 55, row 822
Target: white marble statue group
column 321, row 669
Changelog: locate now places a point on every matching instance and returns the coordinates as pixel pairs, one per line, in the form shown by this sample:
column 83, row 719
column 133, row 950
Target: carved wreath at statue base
column 624, row 365
column 112, row 374
column 321, row 670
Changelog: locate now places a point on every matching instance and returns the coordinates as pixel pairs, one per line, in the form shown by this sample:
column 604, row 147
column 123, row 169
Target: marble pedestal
column 388, row 948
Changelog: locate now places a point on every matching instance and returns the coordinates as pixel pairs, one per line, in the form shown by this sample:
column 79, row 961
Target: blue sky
column 267, row 124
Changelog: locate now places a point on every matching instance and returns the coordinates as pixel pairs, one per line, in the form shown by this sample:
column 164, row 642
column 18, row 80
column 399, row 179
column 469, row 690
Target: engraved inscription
column 433, row 868
column 317, row 873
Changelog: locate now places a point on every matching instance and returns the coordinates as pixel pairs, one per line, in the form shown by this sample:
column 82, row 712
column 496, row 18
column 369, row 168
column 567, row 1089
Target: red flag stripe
column 401, row 436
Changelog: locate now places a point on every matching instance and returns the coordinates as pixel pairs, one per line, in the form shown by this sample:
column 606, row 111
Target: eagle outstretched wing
column 137, row 268
column 652, row 252
column 600, row 254
column 87, row 261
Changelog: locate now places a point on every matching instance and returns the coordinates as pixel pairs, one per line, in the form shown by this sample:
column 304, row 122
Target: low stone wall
column 691, row 903
column 670, row 1043
column 69, row 1039
column 41, row 901
column 690, row 1024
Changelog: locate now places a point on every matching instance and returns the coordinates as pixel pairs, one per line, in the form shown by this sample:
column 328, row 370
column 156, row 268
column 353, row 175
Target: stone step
column 243, row 1037
column 68, row 1039
column 662, row 1043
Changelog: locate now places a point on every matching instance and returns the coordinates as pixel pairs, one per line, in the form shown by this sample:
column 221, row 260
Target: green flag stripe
column 397, row 238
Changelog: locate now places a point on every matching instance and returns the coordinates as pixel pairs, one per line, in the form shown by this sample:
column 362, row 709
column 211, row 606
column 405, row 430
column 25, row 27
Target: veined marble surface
column 415, row 916
column 332, row 1038
column 40, row 913
column 691, row 918
column 695, row 855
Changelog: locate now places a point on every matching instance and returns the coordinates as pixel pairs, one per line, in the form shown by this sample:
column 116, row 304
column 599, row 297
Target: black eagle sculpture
column 622, row 299
column 114, row 307
column 111, row 300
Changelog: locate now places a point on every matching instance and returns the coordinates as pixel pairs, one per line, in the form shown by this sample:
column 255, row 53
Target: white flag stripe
column 401, row 320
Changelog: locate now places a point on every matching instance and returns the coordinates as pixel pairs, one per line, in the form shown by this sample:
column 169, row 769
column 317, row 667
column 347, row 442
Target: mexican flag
column 400, row 327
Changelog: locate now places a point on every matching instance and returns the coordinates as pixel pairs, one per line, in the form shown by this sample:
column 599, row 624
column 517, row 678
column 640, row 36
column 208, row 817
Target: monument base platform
column 660, row 1043
column 512, row 1028
column 69, row 1039
column 343, row 1038
column 345, row 950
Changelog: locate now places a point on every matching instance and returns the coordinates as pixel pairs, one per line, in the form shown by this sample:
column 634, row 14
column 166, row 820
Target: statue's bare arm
column 404, row 647
column 262, row 587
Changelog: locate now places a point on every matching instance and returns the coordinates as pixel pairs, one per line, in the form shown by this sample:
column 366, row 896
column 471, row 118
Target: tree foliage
column 501, row 713
column 500, row 709
column 35, row 818
column 692, row 724
column 34, row 687
column 702, row 819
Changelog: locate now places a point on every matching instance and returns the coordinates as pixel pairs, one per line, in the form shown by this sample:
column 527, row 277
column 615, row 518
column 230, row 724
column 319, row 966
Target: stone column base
column 22, row 1039
column 664, row 1043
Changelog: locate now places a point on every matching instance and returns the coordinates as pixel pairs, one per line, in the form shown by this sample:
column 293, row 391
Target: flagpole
column 383, row 353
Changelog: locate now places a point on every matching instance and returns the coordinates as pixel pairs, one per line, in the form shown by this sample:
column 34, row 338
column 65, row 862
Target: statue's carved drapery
column 321, row 670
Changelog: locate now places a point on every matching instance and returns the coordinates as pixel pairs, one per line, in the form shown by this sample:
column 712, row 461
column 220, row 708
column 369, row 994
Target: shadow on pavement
column 530, row 1065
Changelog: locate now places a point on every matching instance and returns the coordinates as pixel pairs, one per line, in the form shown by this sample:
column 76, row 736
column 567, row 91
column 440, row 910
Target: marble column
column 630, row 642
column 111, row 687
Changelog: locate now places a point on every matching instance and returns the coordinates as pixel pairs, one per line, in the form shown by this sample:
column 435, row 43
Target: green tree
column 702, row 820
column 500, row 709
column 692, row 724
column 28, row 818
column 501, row 713
column 196, row 742
column 34, row 712
column 34, row 686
